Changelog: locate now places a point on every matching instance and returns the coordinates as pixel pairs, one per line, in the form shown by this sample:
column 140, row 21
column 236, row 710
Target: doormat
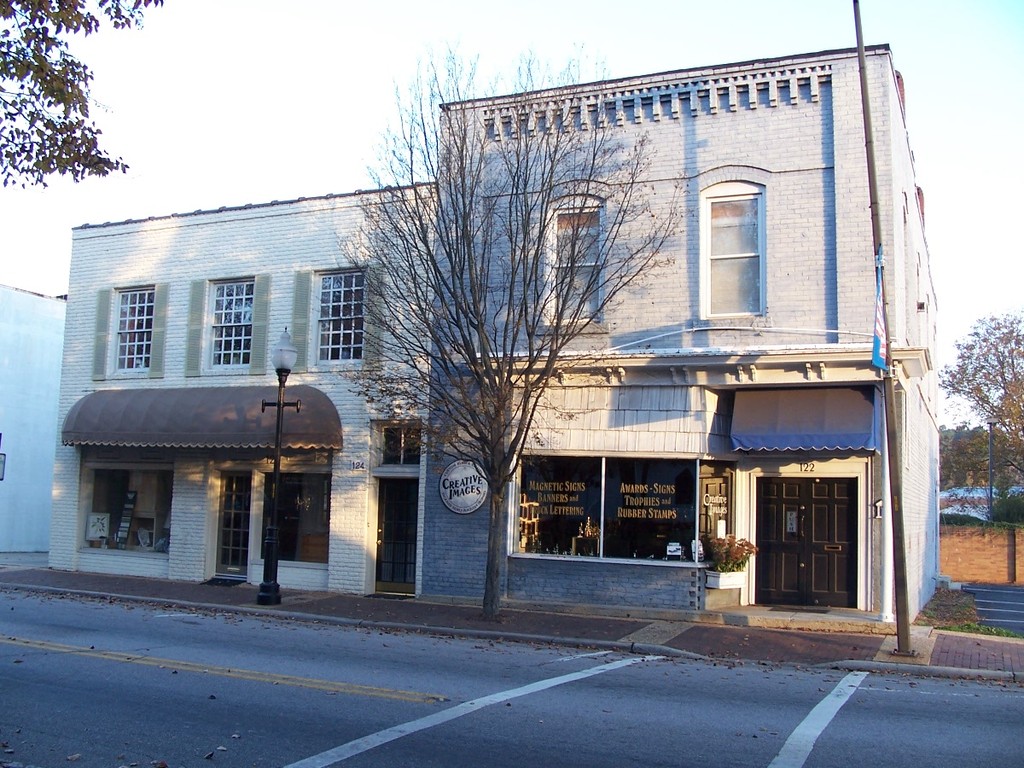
column 798, row 609
column 224, row 581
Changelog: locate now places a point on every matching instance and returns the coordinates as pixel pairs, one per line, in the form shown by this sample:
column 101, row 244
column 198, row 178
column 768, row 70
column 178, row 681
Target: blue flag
column 880, row 346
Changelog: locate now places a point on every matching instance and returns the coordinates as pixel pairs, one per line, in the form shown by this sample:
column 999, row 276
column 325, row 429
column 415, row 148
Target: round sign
column 463, row 487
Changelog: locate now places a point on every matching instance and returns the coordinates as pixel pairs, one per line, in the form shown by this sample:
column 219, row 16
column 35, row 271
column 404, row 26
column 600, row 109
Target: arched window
column 578, row 250
column 733, row 249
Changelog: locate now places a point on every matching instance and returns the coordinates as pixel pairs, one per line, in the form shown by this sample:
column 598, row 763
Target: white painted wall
column 31, row 344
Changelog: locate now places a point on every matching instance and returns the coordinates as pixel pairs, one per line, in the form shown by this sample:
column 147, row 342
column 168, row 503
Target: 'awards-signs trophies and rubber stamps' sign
column 463, row 487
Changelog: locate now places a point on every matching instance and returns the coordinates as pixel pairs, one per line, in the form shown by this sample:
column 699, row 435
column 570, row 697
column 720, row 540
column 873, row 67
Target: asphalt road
column 999, row 605
column 99, row 684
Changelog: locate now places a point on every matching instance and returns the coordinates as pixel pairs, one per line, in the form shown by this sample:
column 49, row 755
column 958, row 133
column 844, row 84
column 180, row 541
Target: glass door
column 233, row 540
column 396, row 535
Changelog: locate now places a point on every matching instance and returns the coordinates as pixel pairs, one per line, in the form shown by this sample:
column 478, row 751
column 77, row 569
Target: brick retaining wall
column 985, row 555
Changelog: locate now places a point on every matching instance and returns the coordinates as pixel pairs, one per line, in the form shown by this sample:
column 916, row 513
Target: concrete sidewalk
column 841, row 639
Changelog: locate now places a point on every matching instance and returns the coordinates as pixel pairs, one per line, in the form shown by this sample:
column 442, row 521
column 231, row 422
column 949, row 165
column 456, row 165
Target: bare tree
column 505, row 227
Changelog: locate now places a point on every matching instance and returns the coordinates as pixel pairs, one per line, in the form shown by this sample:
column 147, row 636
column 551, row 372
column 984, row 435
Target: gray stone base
column 721, row 598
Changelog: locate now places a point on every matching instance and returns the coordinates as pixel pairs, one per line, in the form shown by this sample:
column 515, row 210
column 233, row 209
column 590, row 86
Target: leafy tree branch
column 44, row 90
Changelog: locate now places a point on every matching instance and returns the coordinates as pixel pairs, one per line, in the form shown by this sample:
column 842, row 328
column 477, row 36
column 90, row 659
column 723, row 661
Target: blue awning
column 811, row 419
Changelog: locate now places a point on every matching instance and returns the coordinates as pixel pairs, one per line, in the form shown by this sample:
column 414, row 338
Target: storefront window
column 649, row 508
column 131, row 510
column 304, row 516
column 616, row 508
column 560, row 509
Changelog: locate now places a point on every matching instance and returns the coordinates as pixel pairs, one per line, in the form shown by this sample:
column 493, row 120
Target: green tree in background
column 964, row 451
column 988, row 377
column 44, row 90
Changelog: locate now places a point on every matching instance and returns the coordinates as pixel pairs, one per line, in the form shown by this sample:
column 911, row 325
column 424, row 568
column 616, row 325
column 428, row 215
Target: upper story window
column 733, row 248
column 578, row 259
column 401, row 444
column 136, row 311
column 232, row 322
column 341, row 316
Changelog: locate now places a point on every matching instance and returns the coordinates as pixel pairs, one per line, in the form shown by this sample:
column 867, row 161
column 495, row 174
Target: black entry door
column 396, row 535
column 807, row 541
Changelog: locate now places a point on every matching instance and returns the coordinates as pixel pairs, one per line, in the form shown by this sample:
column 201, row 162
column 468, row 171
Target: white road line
column 365, row 744
column 798, row 746
column 584, row 656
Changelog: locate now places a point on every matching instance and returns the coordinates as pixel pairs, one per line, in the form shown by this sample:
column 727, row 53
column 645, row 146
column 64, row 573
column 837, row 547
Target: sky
column 226, row 102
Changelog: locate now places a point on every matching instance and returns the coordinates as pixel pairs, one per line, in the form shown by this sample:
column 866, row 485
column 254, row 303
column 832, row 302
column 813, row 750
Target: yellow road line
column 330, row 686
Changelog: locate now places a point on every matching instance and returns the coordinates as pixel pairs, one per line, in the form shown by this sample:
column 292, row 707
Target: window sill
column 104, row 551
column 333, row 365
column 611, row 560
column 258, row 564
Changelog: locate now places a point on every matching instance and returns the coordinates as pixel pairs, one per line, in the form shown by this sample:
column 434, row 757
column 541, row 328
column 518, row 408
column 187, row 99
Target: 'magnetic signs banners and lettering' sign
column 463, row 487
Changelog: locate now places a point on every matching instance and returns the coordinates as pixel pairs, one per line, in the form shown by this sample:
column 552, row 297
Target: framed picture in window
column 97, row 526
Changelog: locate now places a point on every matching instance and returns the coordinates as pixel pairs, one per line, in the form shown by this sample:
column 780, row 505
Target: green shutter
column 260, row 308
column 196, row 318
column 372, row 339
column 102, row 338
column 156, row 349
column 300, row 317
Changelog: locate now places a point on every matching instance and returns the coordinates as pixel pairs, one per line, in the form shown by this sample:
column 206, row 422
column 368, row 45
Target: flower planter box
column 734, row 580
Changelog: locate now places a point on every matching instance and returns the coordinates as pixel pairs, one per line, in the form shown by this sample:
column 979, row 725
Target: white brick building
column 736, row 395
column 171, row 323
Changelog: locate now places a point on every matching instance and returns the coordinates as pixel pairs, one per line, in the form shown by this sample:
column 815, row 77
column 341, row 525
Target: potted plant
column 728, row 557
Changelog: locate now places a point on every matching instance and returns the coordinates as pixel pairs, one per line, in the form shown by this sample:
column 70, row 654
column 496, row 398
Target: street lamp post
column 991, row 440
column 283, row 359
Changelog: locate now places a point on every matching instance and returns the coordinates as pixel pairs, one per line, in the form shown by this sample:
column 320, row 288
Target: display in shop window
column 97, row 526
column 130, row 510
column 611, row 508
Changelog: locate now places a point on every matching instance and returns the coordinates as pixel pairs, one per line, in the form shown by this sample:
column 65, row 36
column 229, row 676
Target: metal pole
column 991, row 445
column 270, row 590
column 889, row 386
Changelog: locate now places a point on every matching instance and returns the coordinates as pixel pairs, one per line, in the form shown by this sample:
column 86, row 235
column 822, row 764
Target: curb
column 920, row 670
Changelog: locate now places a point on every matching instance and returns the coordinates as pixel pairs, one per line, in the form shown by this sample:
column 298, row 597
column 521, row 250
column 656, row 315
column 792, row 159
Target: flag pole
column 883, row 347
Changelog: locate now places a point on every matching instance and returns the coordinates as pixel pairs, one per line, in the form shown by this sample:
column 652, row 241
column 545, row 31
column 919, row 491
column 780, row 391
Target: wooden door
column 807, row 541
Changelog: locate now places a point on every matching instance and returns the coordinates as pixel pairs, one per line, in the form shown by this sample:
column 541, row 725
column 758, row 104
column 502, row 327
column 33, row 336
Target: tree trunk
column 495, row 553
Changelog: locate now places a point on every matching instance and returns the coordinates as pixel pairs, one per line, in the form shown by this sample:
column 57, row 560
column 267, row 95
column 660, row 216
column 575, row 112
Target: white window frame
column 355, row 349
column 571, row 208
column 133, row 351
column 728, row 192
column 237, row 358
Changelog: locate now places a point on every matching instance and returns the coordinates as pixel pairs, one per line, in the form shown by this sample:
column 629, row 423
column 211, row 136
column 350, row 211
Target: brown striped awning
column 202, row 417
